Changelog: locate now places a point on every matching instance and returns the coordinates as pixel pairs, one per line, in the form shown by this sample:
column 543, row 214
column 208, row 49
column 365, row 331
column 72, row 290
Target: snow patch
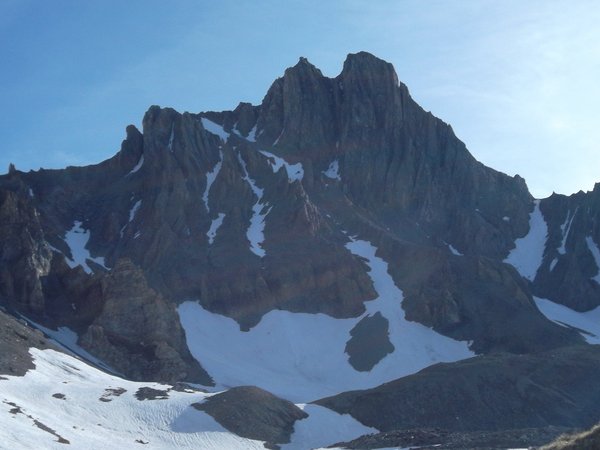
column 506, row 219
column 588, row 321
column 214, row 128
column 333, row 171
column 172, row 136
column 256, row 230
column 565, row 234
column 118, row 422
column 302, row 356
column 553, row 264
column 278, row 138
column 214, row 227
column 31, row 193
column 453, row 250
column 134, row 210
column 295, row 172
column 137, row 167
column 596, row 254
column 528, row 253
column 324, row 427
column 210, row 179
column 77, row 239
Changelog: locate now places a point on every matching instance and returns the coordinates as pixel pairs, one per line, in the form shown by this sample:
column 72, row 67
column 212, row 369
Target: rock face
column 254, row 413
column 249, row 211
column 153, row 345
column 492, row 392
column 16, row 339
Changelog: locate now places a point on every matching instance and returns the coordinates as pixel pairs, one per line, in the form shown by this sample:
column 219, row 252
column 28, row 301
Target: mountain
column 333, row 244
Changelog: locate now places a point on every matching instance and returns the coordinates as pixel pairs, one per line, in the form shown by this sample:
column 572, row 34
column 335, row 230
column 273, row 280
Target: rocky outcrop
column 253, row 413
column 138, row 332
column 24, row 254
column 16, row 338
column 492, row 392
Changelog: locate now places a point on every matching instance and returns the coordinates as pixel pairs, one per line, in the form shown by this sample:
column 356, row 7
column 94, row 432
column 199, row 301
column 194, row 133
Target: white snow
column 88, row 423
column 301, row 356
column 133, row 211
column 172, row 136
column 214, row 227
column 77, row 239
column 67, row 339
column 324, row 427
column 553, row 264
column 527, row 255
column 252, row 134
column 210, row 179
column 138, row 166
column 333, row 171
column 214, row 128
column 278, row 137
column 453, row 250
column 565, row 233
column 295, row 172
column 31, row 193
column 588, row 321
column 596, row 253
column 506, row 219
column 256, row 230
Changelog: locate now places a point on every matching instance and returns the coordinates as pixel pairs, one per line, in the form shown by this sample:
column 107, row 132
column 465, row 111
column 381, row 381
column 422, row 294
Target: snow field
column 301, row 357
column 527, row 255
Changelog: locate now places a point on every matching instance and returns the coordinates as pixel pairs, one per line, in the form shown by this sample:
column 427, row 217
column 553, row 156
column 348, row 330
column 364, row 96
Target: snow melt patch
column 210, row 179
column 214, row 128
column 122, row 421
column 333, row 171
column 256, row 230
column 302, row 356
column 133, row 211
column 596, row 254
column 295, row 172
column 77, row 239
column 137, row 167
column 528, row 253
column 453, row 250
column 565, row 228
column 251, row 134
column 172, row 137
column 588, row 322
column 214, row 227
column 324, row 427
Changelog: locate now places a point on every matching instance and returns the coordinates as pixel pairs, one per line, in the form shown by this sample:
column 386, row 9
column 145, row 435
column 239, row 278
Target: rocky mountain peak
column 370, row 70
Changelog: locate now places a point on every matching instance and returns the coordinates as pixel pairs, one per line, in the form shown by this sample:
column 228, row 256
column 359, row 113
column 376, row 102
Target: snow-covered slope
column 284, row 353
column 65, row 401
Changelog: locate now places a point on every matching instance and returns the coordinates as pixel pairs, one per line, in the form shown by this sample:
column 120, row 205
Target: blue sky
column 517, row 80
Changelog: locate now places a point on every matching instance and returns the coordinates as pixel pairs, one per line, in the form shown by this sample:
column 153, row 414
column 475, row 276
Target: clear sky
column 518, row 80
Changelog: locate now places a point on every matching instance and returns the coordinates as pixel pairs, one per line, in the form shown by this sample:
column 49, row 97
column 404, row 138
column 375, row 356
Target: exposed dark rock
column 441, row 439
column 253, row 413
column 138, row 332
column 492, row 392
column 148, row 393
column 369, row 343
column 16, row 338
